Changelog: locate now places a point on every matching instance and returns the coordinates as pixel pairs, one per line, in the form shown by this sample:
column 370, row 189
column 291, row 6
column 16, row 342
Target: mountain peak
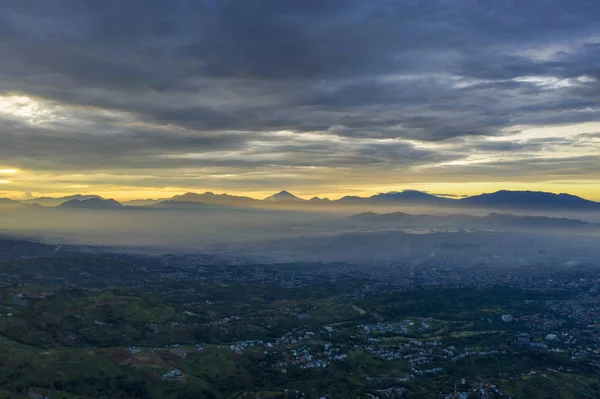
column 283, row 196
column 318, row 199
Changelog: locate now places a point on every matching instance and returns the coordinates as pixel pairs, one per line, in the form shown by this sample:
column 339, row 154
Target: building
column 173, row 375
column 522, row 339
column 551, row 337
column 507, row 318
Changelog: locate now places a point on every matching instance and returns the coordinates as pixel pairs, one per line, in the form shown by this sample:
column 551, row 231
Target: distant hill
column 412, row 197
column 283, row 196
column 216, row 199
column 402, row 219
column 317, row 200
column 178, row 204
column 52, row 201
column 7, row 203
column 505, row 199
column 15, row 247
column 537, row 221
column 94, row 203
column 143, row 202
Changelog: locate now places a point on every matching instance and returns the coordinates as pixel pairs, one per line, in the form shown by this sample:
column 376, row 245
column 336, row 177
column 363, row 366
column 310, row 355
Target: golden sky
column 566, row 162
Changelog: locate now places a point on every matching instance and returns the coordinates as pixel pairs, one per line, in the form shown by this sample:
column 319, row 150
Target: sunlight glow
column 24, row 108
column 548, row 131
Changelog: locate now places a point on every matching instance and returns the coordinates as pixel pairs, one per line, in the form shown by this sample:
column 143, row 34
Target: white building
column 174, row 375
column 550, row 337
column 507, row 318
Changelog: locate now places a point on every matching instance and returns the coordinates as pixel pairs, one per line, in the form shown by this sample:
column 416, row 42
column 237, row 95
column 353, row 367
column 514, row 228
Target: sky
column 151, row 98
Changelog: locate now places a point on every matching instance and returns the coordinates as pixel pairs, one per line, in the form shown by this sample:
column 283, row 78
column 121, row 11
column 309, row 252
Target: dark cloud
column 136, row 148
column 509, row 146
column 216, row 76
column 26, row 147
column 590, row 135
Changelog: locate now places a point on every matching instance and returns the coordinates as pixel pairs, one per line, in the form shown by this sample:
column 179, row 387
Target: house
column 174, row 375
column 522, row 339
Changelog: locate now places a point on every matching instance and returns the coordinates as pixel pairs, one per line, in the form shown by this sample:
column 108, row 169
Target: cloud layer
column 244, row 95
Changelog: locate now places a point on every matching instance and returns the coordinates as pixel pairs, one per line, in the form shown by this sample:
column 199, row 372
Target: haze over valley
column 406, row 225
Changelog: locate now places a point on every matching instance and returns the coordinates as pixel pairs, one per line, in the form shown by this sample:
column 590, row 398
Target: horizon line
column 446, row 196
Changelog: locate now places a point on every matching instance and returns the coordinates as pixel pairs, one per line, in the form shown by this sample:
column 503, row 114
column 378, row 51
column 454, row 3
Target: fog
column 278, row 235
column 184, row 229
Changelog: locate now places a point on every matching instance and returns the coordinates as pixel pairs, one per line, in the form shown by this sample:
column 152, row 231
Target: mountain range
column 500, row 200
column 51, row 201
